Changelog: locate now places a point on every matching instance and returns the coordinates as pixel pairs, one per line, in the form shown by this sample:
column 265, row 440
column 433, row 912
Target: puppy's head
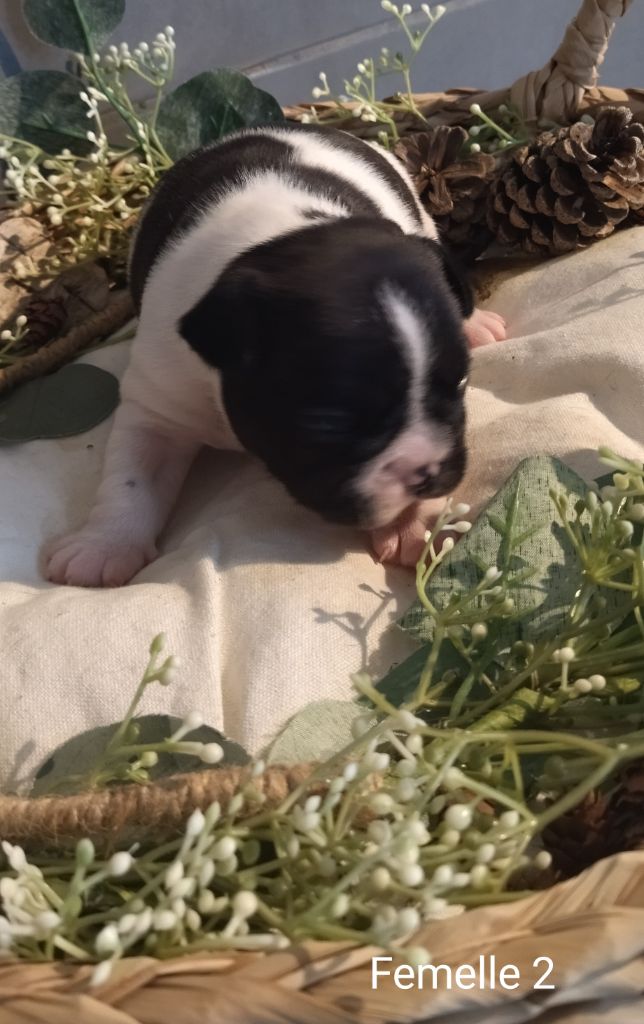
column 343, row 364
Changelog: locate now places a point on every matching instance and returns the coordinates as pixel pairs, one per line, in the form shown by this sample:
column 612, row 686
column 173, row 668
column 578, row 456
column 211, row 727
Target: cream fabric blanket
column 267, row 607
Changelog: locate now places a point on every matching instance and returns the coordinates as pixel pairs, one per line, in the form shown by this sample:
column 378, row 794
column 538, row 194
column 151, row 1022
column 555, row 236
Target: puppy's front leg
column 144, row 468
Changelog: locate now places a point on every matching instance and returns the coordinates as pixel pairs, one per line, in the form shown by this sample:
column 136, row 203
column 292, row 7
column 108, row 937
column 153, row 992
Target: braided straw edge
column 591, row 927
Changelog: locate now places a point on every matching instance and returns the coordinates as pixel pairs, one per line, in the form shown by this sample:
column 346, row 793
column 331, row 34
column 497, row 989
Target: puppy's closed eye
column 327, row 423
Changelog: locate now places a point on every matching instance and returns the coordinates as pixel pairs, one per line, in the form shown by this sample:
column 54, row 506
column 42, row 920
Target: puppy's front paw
column 400, row 543
column 484, row 328
column 87, row 559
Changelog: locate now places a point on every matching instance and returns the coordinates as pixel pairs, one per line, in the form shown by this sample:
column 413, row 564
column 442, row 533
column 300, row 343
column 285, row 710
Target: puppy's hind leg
column 145, row 465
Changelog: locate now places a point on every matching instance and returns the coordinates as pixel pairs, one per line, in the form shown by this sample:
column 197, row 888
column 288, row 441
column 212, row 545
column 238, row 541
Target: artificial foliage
column 61, row 165
column 527, row 700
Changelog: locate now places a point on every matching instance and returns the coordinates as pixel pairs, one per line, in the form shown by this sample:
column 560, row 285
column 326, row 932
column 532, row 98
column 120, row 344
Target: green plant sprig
column 91, row 202
column 11, row 339
column 586, row 643
column 414, row 820
column 495, row 136
column 123, row 759
column 361, row 90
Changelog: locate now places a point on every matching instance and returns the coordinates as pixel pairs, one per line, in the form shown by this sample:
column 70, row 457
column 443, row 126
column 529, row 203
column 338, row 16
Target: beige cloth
column 267, row 607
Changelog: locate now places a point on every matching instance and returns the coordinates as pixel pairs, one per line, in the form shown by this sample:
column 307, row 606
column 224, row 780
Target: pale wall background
column 284, row 44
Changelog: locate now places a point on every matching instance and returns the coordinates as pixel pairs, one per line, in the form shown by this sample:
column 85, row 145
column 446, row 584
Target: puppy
column 294, row 301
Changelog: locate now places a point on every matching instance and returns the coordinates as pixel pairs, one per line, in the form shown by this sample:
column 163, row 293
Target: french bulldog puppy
column 295, row 302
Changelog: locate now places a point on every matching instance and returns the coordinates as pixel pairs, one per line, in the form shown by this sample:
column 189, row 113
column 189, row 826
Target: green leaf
column 70, row 401
column 44, row 108
column 78, row 25
column 316, row 732
column 77, row 756
column 210, row 105
column 518, row 532
column 402, row 680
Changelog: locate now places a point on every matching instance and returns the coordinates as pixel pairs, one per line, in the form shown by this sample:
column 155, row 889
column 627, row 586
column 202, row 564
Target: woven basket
column 592, row 926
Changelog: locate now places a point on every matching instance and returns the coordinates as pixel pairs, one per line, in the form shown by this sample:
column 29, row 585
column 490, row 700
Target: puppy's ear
column 222, row 327
column 455, row 276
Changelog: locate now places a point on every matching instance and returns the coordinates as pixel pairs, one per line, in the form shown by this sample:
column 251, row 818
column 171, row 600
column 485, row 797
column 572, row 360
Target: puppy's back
column 327, row 169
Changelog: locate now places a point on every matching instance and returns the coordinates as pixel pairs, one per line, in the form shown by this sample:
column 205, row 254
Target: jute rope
column 149, row 812
column 118, row 311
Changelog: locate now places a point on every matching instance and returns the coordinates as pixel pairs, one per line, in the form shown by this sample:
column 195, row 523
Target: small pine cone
column 452, row 185
column 46, row 319
column 570, row 187
column 602, row 825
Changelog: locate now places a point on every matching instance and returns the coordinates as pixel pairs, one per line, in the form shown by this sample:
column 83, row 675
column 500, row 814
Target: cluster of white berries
column 361, row 88
column 495, row 136
column 10, row 337
column 82, row 198
column 78, row 196
column 212, row 889
column 321, row 90
column 403, row 12
column 144, row 58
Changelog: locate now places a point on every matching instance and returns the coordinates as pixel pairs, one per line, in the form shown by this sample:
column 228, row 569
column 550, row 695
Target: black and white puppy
column 294, row 302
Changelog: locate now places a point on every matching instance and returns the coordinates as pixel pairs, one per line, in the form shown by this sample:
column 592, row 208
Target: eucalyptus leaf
column 45, row 109
column 401, row 681
column 210, row 105
column 70, row 401
column 77, row 756
column 316, row 732
column 78, row 25
column 519, row 533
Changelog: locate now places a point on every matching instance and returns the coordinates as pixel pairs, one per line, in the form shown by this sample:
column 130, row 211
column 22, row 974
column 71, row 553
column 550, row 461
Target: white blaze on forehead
column 421, row 446
column 411, row 334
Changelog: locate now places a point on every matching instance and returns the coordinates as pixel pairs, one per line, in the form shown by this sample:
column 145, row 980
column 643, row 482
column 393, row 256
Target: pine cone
column 604, row 824
column 45, row 321
column 452, row 186
column 570, row 187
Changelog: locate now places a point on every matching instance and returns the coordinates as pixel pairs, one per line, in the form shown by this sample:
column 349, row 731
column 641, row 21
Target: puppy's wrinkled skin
column 295, row 302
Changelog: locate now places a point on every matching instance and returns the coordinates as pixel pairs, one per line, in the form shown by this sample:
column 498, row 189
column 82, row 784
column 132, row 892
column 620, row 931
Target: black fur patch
column 454, row 275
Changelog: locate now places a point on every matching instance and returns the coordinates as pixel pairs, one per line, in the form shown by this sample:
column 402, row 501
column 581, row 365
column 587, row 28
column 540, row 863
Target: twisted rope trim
column 118, row 311
column 120, row 814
